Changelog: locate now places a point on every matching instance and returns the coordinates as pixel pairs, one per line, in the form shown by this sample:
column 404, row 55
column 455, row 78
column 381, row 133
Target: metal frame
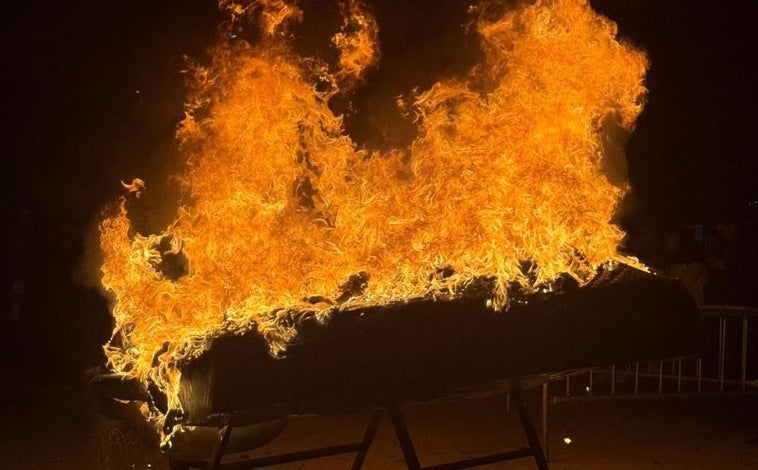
column 540, row 451
column 721, row 312
column 534, row 449
column 701, row 385
column 361, row 448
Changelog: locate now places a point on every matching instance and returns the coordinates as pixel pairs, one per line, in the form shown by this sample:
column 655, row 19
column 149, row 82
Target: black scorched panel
column 424, row 349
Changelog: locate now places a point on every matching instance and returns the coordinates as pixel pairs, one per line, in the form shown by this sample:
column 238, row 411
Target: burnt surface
column 425, row 349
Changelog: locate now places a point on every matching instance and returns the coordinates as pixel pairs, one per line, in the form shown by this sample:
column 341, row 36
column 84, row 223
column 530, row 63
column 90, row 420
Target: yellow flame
column 357, row 41
column 274, row 14
column 281, row 208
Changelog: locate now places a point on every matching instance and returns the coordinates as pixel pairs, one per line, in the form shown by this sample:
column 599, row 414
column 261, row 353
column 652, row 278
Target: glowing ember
column 282, row 212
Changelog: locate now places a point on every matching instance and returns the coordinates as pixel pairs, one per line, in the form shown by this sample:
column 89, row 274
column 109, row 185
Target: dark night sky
column 693, row 155
column 74, row 124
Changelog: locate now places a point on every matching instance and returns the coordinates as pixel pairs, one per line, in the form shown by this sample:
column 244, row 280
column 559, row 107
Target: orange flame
column 281, row 207
column 357, row 41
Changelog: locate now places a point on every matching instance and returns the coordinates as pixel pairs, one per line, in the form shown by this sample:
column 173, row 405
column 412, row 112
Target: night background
column 92, row 92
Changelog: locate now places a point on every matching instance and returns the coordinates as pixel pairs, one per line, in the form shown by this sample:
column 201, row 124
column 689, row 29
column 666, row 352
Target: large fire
column 283, row 212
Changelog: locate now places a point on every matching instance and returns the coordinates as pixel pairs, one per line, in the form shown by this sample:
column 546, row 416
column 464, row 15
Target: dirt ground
column 46, row 424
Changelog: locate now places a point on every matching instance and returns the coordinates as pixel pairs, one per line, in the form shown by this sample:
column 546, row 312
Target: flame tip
column 501, row 192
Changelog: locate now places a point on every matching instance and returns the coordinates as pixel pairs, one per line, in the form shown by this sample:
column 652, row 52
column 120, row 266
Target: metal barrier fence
column 726, row 366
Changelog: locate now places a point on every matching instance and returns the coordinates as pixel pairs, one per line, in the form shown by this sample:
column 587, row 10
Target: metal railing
column 724, row 367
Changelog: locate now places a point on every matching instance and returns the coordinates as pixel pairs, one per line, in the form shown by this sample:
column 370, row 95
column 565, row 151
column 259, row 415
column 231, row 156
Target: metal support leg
column 545, row 417
column 743, row 375
column 368, row 438
column 722, row 351
column 218, row 451
column 359, row 448
column 531, row 433
column 406, row 444
column 534, row 449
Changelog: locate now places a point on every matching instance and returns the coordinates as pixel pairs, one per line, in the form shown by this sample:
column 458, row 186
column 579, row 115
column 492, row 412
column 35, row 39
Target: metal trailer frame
column 361, row 448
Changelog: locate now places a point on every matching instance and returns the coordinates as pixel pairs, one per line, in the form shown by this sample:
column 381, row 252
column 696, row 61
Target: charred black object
column 387, row 355
column 423, row 350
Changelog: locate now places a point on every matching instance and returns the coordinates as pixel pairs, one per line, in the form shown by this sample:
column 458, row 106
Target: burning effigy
column 503, row 191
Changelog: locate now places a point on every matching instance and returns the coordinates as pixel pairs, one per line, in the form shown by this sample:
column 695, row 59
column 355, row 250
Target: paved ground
column 49, row 427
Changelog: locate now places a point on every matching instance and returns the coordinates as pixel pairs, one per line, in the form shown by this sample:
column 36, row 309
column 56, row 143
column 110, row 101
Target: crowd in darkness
column 716, row 263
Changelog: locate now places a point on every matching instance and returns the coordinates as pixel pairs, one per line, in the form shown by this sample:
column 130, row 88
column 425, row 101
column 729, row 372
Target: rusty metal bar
column 479, row 461
column 654, row 396
column 298, row 456
column 528, row 427
column 686, row 378
column 368, row 439
column 722, row 351
column 545, row 418
column 743, row 370
column 728, row 311
column 406, row 444
column 218, row 451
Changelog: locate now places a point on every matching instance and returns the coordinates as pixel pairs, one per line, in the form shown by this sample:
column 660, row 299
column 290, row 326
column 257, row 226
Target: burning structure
column 502, row 195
